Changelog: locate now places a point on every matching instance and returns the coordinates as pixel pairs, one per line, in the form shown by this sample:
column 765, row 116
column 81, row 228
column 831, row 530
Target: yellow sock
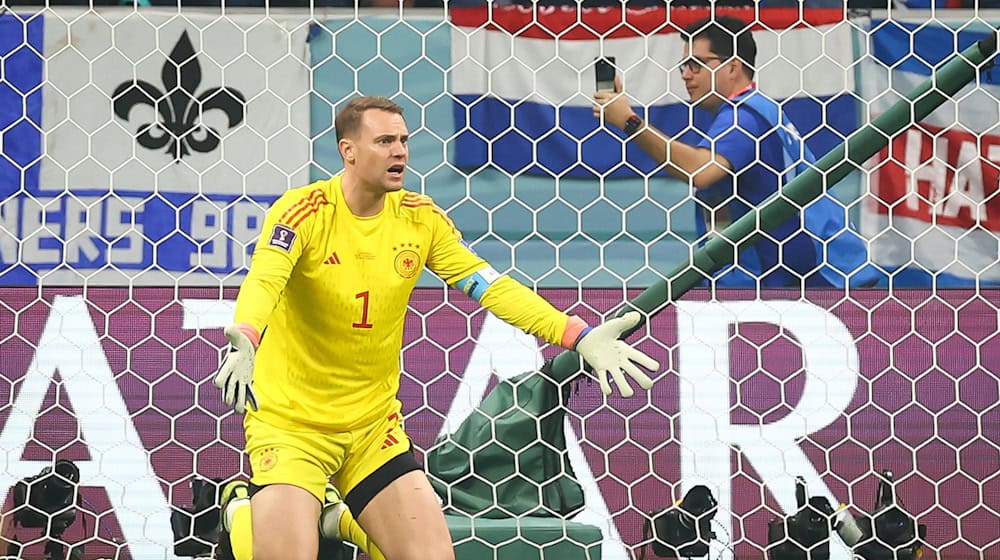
column 351, row 531
column 241, row 533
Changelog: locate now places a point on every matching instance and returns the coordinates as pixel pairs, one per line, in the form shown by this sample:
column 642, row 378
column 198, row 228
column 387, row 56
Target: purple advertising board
column 753, row 391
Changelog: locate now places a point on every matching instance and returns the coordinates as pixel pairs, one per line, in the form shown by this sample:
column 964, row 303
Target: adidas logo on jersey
column 332, row 259
column 390, row 440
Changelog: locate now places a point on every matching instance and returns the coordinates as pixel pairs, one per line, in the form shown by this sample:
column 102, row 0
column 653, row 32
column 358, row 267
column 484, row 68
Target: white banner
column 146, row 144
column 145, row 101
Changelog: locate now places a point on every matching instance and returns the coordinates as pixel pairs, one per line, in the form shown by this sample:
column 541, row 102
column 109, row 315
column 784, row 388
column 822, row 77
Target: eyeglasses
column 696, row 63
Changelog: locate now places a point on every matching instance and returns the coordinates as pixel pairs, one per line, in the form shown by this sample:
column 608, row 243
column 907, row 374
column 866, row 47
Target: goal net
column 142, row 146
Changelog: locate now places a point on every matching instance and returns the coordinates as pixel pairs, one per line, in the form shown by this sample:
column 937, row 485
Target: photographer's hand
column 614, row 105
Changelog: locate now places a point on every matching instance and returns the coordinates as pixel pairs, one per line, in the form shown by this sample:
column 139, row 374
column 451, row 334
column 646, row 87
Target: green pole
column 944, row 83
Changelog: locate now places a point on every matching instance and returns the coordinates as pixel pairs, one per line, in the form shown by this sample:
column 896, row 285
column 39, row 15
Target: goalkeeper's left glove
column 602, row 348
column 235, row 377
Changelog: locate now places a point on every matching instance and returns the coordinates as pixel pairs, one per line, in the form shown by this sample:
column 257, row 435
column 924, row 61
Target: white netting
column 141, row 148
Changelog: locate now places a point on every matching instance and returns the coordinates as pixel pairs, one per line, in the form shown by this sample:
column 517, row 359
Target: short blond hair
column 348, row 119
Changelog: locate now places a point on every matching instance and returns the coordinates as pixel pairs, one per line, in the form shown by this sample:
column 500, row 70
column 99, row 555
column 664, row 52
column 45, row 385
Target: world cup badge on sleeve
column 282, row 237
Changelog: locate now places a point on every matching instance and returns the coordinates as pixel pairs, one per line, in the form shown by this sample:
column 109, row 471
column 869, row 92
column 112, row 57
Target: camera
column 48, row 501
column 684, row 529
column 804, row 535
column 888, row 533
column 196, row 527
column 48, row 497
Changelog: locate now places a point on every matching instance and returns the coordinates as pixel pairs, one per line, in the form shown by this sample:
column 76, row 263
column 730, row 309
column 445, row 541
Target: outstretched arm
column 601, row 347
column 516, row 304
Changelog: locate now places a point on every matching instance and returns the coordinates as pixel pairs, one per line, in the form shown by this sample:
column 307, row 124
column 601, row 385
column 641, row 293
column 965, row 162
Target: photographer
column 750, row 150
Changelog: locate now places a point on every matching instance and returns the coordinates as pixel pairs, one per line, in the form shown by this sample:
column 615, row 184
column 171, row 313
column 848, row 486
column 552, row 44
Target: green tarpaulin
column 508, row 458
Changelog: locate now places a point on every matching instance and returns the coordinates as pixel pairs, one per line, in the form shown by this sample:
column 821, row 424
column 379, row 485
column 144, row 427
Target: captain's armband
column 475, row 284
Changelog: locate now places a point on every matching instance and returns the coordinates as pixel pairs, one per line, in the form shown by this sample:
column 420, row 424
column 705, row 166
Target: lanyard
column 744, row 91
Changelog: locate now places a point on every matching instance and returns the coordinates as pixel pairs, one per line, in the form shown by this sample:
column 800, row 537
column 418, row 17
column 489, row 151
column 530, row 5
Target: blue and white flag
column 934, row 213
column 143, row 147
column 523, row 81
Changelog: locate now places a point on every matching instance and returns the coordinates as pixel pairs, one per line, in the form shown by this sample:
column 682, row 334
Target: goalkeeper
column 315, row 352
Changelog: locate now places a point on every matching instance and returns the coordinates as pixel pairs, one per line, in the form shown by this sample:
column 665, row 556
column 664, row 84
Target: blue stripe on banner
column 568, row 141
column 489, row 136
column 918, row 48
column 21, row 67
column 21, row 74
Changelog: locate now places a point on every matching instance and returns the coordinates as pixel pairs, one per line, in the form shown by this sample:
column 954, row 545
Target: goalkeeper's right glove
column 235, row 377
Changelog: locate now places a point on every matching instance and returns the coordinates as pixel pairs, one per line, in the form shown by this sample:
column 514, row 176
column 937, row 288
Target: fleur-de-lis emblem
column 179, row 106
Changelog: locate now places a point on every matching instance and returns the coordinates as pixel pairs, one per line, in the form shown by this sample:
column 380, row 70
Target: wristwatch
column 632, row 125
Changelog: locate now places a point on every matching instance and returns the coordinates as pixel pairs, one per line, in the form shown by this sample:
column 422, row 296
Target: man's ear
column 346, row 146
column 735, row 65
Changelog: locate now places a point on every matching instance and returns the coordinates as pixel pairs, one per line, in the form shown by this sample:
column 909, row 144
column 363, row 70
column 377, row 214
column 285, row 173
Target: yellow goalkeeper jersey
column 329, row 291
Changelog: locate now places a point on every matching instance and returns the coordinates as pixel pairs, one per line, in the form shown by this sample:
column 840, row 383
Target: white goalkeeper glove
column 602, row 348
column 235, row 377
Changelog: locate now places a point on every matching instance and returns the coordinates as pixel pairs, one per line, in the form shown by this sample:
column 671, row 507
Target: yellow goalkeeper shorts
column 307, row 459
